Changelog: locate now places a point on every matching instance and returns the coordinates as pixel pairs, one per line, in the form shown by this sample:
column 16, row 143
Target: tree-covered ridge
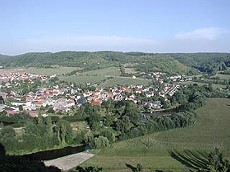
column 160, row 62
column 170, row 63
column 204, row 62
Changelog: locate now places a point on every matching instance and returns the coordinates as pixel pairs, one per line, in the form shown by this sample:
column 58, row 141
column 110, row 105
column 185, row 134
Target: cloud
column 208, row 33
column 90, row 43
column 194, row 41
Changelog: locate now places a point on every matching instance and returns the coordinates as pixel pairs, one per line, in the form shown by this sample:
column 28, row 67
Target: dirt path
column 70, row 161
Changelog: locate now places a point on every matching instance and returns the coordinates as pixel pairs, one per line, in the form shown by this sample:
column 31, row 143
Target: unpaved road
column 70, row 161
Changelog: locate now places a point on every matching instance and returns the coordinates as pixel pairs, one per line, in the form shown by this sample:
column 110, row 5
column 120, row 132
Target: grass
column 51, row 71
column 109, row 71
column 152, row 151
column 124, row 81
column 83, row 79
column 93, row 76
column 130, row 70
column 201, row 83
column 221, row 76
column 106, row 77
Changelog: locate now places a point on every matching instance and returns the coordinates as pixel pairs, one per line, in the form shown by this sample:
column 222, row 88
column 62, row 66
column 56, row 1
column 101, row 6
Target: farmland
column 222, row 76
column 106, row 77
column 109, row 71
column 211, row 130
column 83, row 79
column 50, row 71
column 124, row 81
column 201, row 83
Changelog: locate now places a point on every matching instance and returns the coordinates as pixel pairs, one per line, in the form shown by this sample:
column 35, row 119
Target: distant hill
column 170, row 63
column 3, row 56
column 204, row 62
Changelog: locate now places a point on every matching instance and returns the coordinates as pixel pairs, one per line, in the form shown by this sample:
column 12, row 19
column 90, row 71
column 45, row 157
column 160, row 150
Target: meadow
column 152, row 151
column 109, row 71
column 215, row 86
column 92, row 76
column 222, row 76
column 50, row 71
column 83, row 79
column 106, row 77
column 124, row 81
column 130, row 70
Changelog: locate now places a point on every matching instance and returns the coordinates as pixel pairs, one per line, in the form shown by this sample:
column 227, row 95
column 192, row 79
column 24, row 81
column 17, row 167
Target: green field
column 124, row 81
column 201, row 83
column 106, row 77
column 110, row 71
column 221, row 76
column 130, row 70
column 93, row 76
column 152, row 151
column 51, row 71
column 83, row 79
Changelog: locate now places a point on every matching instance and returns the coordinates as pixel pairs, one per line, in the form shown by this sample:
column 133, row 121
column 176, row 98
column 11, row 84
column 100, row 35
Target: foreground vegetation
column 152, row 151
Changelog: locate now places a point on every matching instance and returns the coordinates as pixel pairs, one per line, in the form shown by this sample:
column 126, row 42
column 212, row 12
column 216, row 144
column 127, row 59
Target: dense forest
column 183, row 63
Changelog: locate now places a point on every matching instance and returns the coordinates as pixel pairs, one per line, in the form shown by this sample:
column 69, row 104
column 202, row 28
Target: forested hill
column 171, row 62
column 204, row 62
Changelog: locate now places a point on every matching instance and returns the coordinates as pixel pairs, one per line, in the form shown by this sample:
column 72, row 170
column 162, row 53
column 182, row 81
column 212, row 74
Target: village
column 52, row 95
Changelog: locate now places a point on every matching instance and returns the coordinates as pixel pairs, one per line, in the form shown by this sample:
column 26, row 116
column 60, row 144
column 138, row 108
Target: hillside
column 204, row 62
column 147, row 62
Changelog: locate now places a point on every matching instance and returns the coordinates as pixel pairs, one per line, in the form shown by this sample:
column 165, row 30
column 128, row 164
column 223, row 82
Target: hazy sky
column 120, row 25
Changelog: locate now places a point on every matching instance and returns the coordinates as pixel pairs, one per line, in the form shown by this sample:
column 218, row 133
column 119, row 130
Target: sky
column 114, row 25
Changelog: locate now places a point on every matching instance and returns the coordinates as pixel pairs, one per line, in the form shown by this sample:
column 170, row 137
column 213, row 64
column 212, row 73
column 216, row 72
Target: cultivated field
column 93, row 76
column 152, row 151
column 130, row 70
column 106, row 77
column 83, row 79
column 51, row 71
column 221, row 76
column 109, row 71
column 124, row 81
column 201, row 83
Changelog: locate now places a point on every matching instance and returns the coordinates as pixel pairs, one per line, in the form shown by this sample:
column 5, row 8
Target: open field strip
column 70, row 161
column 124, row 81
column 51, row 71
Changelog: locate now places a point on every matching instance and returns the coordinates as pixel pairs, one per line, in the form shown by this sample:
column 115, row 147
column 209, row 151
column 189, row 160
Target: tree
column 20, row 108
column 132, row 111
column 64, row 131
column 101, row 142
column 96, row 126
column 109, row 134
column 8, row 138
column 123, row 125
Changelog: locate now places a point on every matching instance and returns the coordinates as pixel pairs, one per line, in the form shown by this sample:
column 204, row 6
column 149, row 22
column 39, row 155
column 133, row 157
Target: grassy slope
column 93, row 76
column 109, row 71
column 212, row 129
column 125, row 81
column 51, row 71
column 223, row 76
column 83, row 79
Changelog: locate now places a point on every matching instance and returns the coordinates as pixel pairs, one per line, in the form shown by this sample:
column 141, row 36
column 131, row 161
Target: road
column 67, row 162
